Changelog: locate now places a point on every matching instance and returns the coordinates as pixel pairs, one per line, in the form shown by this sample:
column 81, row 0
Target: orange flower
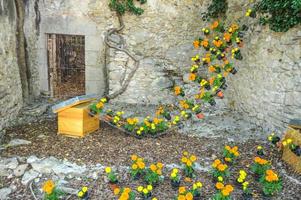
column 225, row 193
column 234, row 27
column 48, row 187
column 187, row 180
column 214, row 25
column 181, row 197
column 228, row 159
column 211, row 80
column 227, row 37
column 216, row 163
column 182, row 190
column 196, row 44
column 177, row 90
column 222, row 167
column 211, row 68
column 153, row 167
column 219, row 185
column 229, row 188
column 189, row 196
column 205, row 43
column 192, row 76
column 217, row 43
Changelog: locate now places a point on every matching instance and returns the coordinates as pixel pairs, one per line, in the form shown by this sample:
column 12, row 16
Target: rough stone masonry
column 266, row 89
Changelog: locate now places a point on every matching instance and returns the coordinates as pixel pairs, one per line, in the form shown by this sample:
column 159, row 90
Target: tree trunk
column 21, row 50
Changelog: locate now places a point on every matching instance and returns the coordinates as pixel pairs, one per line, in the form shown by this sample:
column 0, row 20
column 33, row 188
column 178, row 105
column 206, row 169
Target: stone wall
column 267, row 88
column 10, row 85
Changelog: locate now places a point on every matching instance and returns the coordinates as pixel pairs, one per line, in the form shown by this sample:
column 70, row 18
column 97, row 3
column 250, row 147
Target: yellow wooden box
column 75, row 121
column 288, row 156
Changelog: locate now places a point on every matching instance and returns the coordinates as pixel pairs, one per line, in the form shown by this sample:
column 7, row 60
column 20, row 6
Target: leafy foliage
column 121, row 6
column 280, row 15
column 217, row 8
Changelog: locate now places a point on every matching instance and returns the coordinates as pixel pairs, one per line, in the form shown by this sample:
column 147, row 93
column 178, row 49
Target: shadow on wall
column 7, row 8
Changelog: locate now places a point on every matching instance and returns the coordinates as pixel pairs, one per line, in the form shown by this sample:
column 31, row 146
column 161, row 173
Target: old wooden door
column 66, row 65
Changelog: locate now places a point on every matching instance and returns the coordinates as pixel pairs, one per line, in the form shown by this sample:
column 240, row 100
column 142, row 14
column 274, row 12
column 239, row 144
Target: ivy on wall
column 121, row 6
column 279, row 15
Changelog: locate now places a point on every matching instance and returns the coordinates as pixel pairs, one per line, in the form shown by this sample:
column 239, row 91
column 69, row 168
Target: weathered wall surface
column 10, row 85
column 267, row 87
column 161, row 38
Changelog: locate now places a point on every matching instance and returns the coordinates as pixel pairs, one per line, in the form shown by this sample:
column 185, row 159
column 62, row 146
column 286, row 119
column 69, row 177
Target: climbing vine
column 279, row 15
column 121, row 6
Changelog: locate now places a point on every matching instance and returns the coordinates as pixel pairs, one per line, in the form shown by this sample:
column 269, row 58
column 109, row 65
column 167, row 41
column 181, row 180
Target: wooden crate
column 76, row 121
column 288, row 156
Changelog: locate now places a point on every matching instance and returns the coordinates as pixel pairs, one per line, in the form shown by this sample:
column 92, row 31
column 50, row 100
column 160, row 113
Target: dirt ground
column 112, row 147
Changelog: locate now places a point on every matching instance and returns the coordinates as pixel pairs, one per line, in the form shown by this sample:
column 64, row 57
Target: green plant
column 153, row 175
column 271, row 183
column 279, row 15
column 111, row 175
column 51, row 192
column 121, row 6
column 217, row 8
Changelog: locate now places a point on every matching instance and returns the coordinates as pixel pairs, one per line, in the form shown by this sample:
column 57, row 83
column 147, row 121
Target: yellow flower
column 173, row 175
column 189, row 163
column 289, row 141
column 184, row 159
column 219, row 185
column 159, row 172
column 154, row 198
column 182, row 190
column 194, row 186
column 284, row 143
column 153, row 167
column 103, row 100
column 185, row 153
column 240, row 180
column 193, row 158
column 189, row 196
column 220, row 179
column 134, row 166
column 150, row 187
column 108, row 170
column 134, row 157
column 48, row 187
column 159, row 165
column 175, row 170
column 127, row 190
column 85, row 189
column 199, row 184
column 116, row 191
column 140, row 188
column 141, row 165
column 259, row 147
column 80, row 194
column 145, row 191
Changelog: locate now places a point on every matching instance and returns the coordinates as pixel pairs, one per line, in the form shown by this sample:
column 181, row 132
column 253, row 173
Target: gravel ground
column 111, row 147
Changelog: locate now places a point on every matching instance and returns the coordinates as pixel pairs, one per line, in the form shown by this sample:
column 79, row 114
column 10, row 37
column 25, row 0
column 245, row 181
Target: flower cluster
column 188, row 160
column 175, row 178
column 224, row 191
column 154, row 174
column 271, row 183
column 138, row 166
column 184, row 194
column 196, row 189
column 83, row 193
column 219, row 169
column 273, row 138
column 242, row 176
column 230, row 153
column 296, row 149
column 125, row 193
column 97, row 108
column 146, row 192
column 111, row 175
column 260, row 165
column 179, row 91
column 50, row 190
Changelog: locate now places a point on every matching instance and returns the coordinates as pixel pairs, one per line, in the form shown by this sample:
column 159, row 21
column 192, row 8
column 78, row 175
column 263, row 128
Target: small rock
column 20, row 170
column 17, row 142
column 9, row 163
column 4, row 193
column 29, row 176
column 32, row 159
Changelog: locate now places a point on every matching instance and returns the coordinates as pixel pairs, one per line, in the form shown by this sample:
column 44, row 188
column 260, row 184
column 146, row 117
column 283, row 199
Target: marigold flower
column 228, row 159
column 116, row 191
column 229, row 188
column 196, row 44
column 127, row 190
column 222, row 167
column 153, row 167
column 182, row 190
column 214, row 25
column 159, row 172
column 160, row 165
column 80, row 194
column 181, row 197
column 184, row 160
column 141, row 165
column 219, row 185
column 140, row 188
column 189, row 163
column 149, row 187
column 134, row 157
column 48, row 187
column 189, row 196
column 205, row 43
column 192, row 76
column 225, row 193
column 193, row 158
column 145, row 191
